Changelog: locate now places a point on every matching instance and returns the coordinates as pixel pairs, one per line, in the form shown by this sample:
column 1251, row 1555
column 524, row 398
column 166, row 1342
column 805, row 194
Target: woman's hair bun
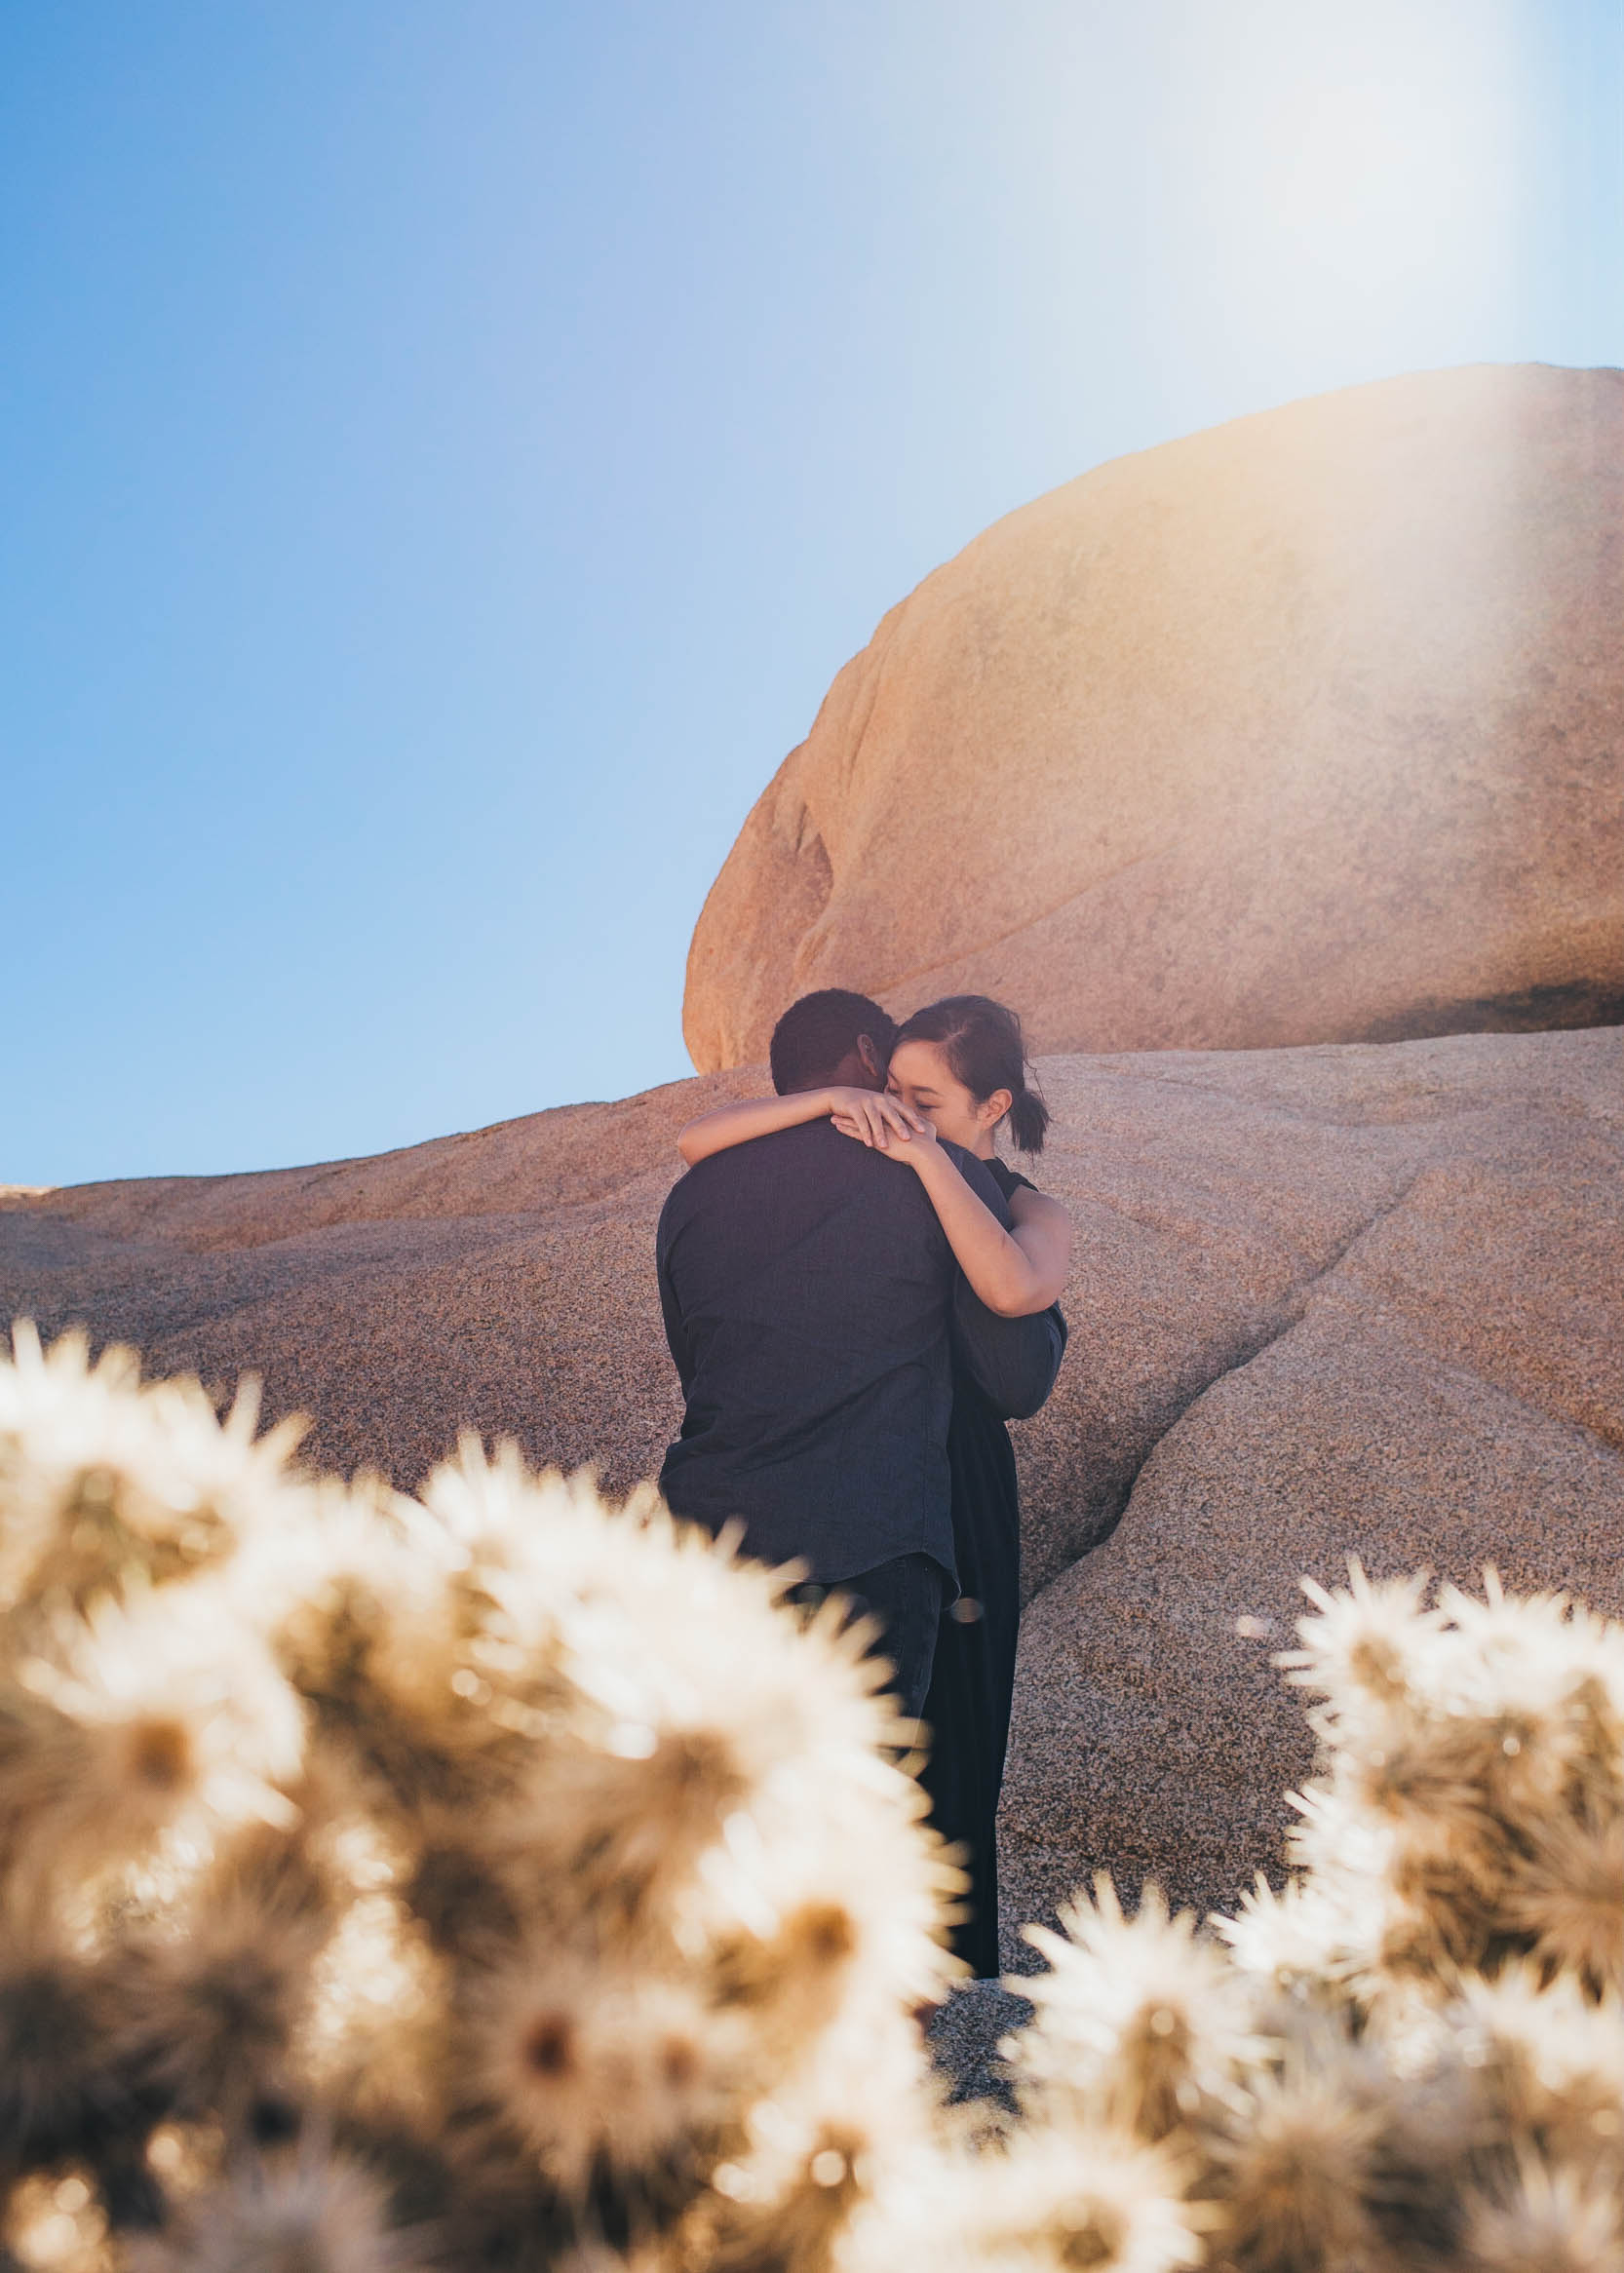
column 1029, row 1120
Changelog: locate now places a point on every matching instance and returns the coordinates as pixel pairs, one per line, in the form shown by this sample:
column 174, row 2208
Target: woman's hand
column 876, row 1119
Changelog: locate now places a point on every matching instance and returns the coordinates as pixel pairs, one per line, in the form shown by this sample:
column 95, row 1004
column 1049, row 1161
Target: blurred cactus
column 464, row 1882
column 505, row 1880
column 1413, row 2055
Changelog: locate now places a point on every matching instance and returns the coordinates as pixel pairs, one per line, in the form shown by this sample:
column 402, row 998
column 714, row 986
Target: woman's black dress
column 973, row 1679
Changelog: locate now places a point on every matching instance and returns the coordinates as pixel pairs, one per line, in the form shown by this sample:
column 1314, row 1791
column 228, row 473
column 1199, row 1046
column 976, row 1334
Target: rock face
column 1308, row 728
column 1357, row 1299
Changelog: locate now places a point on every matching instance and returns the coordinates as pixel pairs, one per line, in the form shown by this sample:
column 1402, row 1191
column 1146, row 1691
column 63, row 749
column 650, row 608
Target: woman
column 958, row 1070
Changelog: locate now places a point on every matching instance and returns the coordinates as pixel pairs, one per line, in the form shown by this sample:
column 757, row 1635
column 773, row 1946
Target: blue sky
column 447, row 450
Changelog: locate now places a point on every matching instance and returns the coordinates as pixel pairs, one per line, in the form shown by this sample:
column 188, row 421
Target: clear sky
column 447, row 447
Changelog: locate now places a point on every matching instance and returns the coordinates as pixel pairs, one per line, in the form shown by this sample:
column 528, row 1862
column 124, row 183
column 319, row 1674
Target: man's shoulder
column 810, row 1144
column 813, row 1158
column 979, row 1177
column 725, row 1177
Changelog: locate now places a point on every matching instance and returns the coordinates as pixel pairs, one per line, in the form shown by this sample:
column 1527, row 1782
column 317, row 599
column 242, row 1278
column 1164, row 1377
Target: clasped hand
column 878, row 1120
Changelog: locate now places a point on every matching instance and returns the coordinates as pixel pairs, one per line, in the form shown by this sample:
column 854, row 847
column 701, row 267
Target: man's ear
column 873, row 1063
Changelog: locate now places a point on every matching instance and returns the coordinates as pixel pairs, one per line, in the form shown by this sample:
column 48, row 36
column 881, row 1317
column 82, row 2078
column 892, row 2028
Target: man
column 813, row 1308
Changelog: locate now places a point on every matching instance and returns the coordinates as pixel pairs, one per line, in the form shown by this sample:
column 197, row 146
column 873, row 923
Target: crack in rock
column 1282, row 1322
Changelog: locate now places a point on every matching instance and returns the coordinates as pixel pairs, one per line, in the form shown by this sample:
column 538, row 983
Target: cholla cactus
column 465, row 1881
column 1470, row 1805
column 503, row 1880
column 1413, row 2054
column 1141, row 2026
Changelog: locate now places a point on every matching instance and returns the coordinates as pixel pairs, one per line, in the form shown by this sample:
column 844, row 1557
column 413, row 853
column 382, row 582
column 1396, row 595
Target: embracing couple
column 857, row 1295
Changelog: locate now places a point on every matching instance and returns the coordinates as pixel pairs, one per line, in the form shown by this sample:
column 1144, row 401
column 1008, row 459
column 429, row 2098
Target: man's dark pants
column 906, row 1597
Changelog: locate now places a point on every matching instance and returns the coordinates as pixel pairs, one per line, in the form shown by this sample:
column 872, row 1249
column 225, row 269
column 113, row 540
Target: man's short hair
column 815, row 1033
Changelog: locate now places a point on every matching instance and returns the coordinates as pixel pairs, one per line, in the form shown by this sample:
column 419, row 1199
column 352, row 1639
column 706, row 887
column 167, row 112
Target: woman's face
column 921, row 1077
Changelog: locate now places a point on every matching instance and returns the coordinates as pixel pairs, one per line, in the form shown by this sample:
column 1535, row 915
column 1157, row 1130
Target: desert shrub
column 1413, row 2055
column 501, row 1879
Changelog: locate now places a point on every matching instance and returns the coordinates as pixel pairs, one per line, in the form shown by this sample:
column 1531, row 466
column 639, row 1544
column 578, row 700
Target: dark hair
column 815, row 1033
column 983, row 1041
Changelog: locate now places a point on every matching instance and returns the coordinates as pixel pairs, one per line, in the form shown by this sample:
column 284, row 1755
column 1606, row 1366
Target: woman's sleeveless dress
column 973, row 1680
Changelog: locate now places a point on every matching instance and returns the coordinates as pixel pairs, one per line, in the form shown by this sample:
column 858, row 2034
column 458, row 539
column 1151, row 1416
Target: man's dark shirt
column 814, row 1309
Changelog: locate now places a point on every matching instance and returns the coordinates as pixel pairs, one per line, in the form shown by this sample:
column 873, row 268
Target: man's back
column 807, row 1286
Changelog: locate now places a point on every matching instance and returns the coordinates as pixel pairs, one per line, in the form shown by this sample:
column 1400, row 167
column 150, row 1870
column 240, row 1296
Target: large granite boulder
column 1307, row 728
column 1326, row 1301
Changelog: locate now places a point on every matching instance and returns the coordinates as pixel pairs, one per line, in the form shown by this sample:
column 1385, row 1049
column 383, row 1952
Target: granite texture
column 964, row 2034
column 1306, row 728
column 1345, row 1299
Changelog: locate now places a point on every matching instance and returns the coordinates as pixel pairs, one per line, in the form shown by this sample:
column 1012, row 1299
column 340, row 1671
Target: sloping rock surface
column 1343, row 1299
column 1306, row 728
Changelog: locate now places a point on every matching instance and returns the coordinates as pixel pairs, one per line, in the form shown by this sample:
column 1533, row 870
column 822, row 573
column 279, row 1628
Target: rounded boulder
column 1308, row 728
